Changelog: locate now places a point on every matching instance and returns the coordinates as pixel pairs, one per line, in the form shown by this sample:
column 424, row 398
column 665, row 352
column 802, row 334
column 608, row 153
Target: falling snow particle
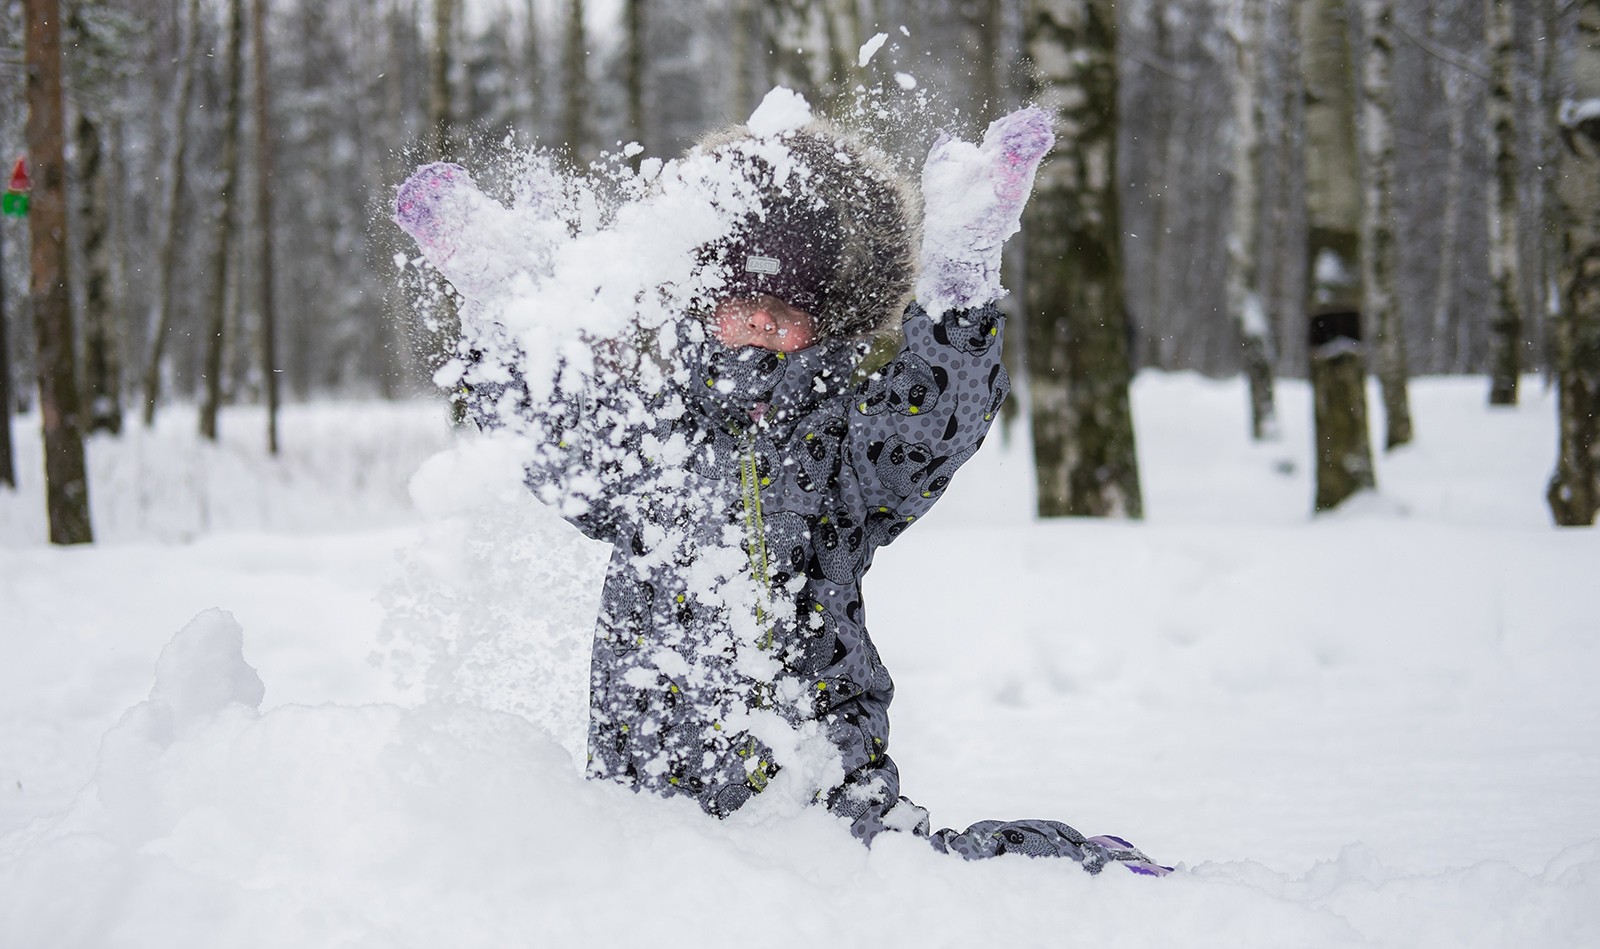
column 906, row 80
column 870, row 48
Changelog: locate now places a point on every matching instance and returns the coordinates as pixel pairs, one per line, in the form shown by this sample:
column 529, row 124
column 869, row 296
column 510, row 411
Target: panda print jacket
column 744, row 500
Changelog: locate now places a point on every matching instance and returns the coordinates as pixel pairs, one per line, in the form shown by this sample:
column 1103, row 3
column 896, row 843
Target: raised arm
column 920, row 417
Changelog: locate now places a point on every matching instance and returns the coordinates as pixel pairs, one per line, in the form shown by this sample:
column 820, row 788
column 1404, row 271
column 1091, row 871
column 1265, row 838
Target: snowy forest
column 1267, row 562
column 228, row 241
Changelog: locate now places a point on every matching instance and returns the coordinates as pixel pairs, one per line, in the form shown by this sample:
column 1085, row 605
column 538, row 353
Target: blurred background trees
column 1210, row 143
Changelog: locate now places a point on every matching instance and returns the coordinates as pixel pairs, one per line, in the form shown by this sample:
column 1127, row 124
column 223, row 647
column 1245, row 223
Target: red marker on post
column 15, row 203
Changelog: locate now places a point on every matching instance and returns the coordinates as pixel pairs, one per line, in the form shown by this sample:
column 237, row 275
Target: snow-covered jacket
column 745, row 502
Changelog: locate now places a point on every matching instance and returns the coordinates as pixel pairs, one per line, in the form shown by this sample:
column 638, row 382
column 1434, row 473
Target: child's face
column 764, row 321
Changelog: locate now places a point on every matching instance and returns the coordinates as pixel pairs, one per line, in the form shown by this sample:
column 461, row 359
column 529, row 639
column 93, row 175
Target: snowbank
column 210, row 822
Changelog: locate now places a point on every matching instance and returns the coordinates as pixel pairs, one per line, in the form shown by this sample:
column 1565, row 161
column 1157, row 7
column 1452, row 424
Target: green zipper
column 755, row 537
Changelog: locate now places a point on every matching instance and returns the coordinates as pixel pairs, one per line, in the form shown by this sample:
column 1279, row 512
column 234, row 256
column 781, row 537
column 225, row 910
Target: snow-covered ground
column 1374, row 728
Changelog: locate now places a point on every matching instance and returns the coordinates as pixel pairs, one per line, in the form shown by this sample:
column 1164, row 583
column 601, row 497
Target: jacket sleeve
column 916, row 420
column 581, row 432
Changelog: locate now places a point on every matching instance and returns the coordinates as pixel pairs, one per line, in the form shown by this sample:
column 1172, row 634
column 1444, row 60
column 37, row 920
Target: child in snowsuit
column 747, row 485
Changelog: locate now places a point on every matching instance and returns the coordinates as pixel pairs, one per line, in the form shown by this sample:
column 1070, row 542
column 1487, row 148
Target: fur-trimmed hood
column 836, row 232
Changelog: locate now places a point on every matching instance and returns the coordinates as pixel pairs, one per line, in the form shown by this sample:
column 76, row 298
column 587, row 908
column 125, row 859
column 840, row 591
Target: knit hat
column 833, row 230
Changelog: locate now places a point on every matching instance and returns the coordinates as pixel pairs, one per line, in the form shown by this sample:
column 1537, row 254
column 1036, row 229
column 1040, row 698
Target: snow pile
column 212, row 823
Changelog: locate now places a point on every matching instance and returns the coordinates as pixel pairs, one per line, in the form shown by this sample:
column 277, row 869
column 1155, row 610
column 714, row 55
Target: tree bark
column 441, row 114
column 166, row 266
column 634, row 74
column 575, row 79
column 1085, row 462
column 216, row 330
column 1333, row 254
column 1379, row 252
column 1447, row 352
column 66, row 476
column 268, row 332
column 102, row 381
column 740, row 89
column 1505, row 320
column 1244, row 244
column 8, row 465
column 1574, row 493
column 533, row 68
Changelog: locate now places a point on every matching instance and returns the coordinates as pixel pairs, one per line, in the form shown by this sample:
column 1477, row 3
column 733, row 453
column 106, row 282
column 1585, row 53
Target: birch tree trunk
column 1333, row 253
column 161, row 315
column 66, row 477
column 102, row 367
column 1447, row 351
column 1505, row 322
column 1574, row 493
column 216, row 329
column 101, row 344
column 1084, row 458
column 266, row 341
column 1244, row 239
column 1379, row 252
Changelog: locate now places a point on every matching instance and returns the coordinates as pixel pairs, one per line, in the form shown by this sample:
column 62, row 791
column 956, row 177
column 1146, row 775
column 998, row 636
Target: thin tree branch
column 1445, row 55
column 1161, row 65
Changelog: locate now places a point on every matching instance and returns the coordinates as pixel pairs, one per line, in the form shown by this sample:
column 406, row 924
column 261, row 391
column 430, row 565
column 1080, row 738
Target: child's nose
column 760, row 320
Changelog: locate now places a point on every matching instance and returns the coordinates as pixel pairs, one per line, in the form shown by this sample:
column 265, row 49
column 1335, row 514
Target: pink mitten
column 461, row 231
column 972, row 198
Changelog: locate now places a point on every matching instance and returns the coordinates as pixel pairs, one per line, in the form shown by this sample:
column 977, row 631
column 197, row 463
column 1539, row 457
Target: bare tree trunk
column 1446, row 354
column 1333, row 251
column 1244, row 241
column 1379, row 253
column 533, row 67
column 744, row 28
column 441, row 114
column 216, row 331
column 634, row 73
column 987, row 19
column 267, row 341
column 575, row 79
column 1574, row 493
column 1084, row 458
column 66, row 476
column 1552, row 147
column 161, row 317
column 1505, row 322
column 8, row 465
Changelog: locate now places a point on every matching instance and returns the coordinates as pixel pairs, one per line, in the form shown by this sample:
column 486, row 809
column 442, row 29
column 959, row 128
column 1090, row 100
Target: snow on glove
column 972, row 198
column 476, row 242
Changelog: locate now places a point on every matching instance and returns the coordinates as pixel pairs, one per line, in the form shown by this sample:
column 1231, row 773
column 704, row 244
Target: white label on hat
column 768, row 265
